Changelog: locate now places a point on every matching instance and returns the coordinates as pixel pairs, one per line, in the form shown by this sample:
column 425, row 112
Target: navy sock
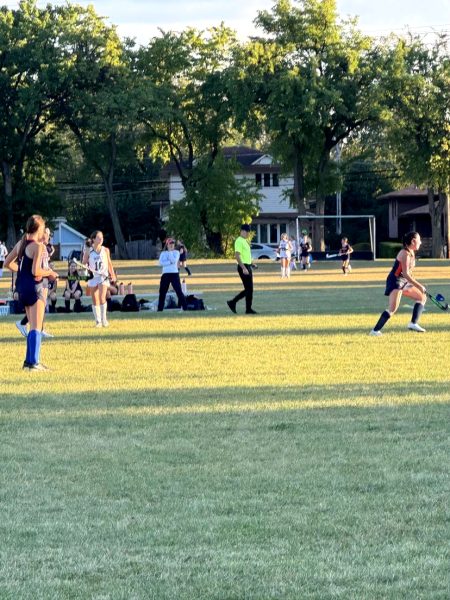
column 384, row 318
column 188, row 271
column 417, row 311
column 24, row 321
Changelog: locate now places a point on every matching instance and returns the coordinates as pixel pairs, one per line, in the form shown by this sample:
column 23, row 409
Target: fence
column 140, row 250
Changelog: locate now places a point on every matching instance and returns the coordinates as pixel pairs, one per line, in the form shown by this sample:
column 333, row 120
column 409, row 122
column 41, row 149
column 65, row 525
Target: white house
column 66, row 239
column 275, row 216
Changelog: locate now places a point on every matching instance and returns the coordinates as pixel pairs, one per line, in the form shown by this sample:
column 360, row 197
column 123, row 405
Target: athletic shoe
column 377, row 333
column 105, row 323
column 45, row 335
column 35, row 367
column 231, row 306
column 98, row 324
column 251, row 312
column 416, row 327
column 22, row 328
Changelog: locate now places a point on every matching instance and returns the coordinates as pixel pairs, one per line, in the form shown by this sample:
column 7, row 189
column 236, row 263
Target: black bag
column 113, row 305
column 130, row 303
column 16, row 307
column 194, row 303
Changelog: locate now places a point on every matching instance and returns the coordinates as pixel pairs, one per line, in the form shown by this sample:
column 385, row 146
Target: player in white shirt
column 98, row 259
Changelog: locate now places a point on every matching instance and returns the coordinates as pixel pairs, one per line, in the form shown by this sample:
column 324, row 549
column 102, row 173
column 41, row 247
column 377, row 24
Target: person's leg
column 67, row 296
column 420, row 299
column 175, row 281
column 34, row 338
column 163, row 287
column 248, row 286
column 77, row 305
column 95, row 294
column 103, row 290
column 394, row 301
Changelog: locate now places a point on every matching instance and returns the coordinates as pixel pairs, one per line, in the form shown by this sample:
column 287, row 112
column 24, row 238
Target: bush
column 362, row 247
column 389, row 249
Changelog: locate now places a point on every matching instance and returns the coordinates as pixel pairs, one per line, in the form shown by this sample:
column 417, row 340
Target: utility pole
column 338, row 195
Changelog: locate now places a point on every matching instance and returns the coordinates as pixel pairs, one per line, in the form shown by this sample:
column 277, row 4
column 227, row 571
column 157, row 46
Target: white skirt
column 98, row 280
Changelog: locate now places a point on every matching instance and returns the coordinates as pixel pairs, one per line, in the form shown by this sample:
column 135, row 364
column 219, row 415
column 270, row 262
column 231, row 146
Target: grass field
column 206, row 455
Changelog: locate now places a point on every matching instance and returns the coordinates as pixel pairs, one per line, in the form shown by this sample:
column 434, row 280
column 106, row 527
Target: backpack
column 194, row 303
column 130, row 303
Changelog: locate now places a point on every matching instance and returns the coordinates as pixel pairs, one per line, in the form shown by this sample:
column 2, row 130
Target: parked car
column 260, row 251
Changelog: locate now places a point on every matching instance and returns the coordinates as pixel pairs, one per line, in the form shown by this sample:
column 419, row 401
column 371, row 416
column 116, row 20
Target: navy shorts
column 30, row 293
column 394, row 283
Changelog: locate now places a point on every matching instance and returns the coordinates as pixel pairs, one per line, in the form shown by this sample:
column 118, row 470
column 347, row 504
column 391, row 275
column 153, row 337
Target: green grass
column 286, row 455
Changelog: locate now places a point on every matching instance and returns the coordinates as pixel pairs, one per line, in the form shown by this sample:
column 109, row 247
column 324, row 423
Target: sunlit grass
column 211, row 455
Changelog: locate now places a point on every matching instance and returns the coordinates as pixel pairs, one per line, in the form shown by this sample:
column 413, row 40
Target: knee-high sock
column 103, row 308
column 384, row 318
column 188, row 271
column 67, row 305
column 33, row 347
column 97, row 314
column 417, row 311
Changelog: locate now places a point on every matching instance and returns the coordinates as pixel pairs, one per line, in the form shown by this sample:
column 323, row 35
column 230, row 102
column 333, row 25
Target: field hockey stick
column 80, row 265
column 438, row 300
column 331, row 255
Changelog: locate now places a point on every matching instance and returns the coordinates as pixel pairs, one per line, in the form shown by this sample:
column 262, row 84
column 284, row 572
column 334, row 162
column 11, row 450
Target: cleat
column 231, row 306
column 35, row 367
column 46, row 336
column 251, row 312
column 98, row 324
column 376, row 333
column 105, row 323
column 22, row 328
column 416, row 327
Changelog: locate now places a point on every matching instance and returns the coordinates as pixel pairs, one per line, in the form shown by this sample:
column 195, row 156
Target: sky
column 141, row 19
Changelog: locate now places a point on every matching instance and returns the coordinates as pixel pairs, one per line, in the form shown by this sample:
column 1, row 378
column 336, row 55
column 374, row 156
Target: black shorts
column 394, row 283
column 345, row 257
column 30, row 293
column 2, row 262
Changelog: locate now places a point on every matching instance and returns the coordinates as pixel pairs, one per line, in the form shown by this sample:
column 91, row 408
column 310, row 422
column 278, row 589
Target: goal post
column 371, row 219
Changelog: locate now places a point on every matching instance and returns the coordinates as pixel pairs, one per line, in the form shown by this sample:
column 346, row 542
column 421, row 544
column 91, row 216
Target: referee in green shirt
column 244, row 261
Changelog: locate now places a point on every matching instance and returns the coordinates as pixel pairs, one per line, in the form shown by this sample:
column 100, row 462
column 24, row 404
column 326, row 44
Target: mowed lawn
column 206, row 455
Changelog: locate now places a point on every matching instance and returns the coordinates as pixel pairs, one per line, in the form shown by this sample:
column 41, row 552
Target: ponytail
column 33, row 225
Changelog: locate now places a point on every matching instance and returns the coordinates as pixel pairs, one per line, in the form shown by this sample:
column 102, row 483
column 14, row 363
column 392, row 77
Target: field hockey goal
column 365, row 226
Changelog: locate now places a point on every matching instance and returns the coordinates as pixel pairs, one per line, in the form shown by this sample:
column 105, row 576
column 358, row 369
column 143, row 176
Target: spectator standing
column 3, row 255
column 169, row 259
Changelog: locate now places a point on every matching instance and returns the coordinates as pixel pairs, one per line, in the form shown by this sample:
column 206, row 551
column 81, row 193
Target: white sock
column 1, row 273
column 103, row 308
column 96, row 311
column 283, row 272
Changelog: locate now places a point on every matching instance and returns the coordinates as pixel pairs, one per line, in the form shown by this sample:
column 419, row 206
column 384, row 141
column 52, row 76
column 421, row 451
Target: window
column 266, row 179
column 283, row 228
column 275, row 181
column 262, row 234
column 258, row 178
column 254, row 229
column 274, row 234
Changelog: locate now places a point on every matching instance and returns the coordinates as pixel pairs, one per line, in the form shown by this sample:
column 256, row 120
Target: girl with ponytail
column 26, row 260
column 400, row 281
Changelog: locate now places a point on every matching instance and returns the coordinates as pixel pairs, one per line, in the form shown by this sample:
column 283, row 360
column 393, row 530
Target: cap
column 245, row 227
column 170, row 241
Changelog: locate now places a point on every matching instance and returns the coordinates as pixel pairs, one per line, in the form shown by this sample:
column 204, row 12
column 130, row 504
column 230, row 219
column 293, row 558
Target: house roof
column 247, row 157
column 408, row 192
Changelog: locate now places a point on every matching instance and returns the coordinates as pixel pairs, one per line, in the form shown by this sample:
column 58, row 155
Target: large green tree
column 418, row 122
column 31, row 67
column 312, row 81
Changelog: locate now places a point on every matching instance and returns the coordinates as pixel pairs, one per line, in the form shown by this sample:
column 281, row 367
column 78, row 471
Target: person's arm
column 37, row 269
column 11, row 259
column 238, row 258
column 111, row 273
column 350, row 250
column 165, row 259
column 405, row 260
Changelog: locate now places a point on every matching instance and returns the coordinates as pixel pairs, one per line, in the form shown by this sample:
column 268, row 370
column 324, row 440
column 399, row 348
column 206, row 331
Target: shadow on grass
column 155, row 402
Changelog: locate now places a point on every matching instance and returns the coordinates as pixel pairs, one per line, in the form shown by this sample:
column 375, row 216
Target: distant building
column 66, row 239
column 276, row 216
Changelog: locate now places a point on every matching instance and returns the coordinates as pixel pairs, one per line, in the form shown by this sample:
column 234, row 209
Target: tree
column 315, row 81
column 186, row 108
column 31, row 64
column 418, row 122
column 101, row 104
column 211, row 212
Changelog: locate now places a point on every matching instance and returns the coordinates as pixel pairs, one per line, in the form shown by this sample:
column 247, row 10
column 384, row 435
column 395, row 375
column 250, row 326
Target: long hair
column 33, row 224
column 90, row 241
column 408, row 238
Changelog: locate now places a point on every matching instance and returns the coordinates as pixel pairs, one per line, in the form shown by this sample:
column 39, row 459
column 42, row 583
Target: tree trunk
column 436, row 211
column 298, row 192
column 120, row 240
column 11, row 236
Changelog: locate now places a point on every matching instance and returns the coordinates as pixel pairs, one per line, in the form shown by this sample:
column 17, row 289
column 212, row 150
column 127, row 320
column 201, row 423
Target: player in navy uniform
column 183, row 257
column 305, row 250
column 344, row 254
column 26, row 260
column 400, row 281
